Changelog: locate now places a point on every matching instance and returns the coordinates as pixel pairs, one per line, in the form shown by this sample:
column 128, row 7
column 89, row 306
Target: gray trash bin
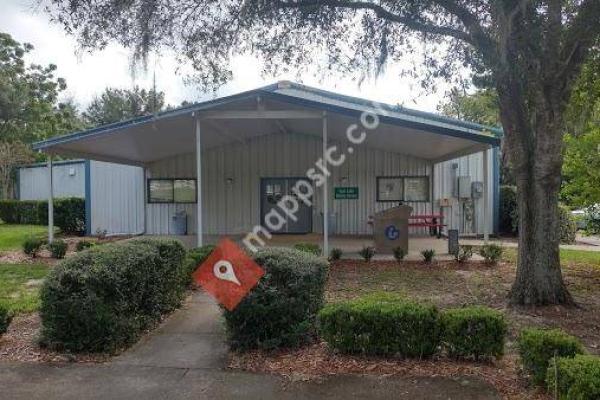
column 180, row 223
column 332, row 223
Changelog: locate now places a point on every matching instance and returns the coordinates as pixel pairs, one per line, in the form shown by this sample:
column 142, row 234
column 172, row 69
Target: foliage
column 12, row 154
column 581, row 169
column 335, row 254
column 281, row 310
column 464, row 254
column 32, row 246
column 115, row 105
column 567, row 226
column 538, row 346
column 102, row 299
column 382, row 324
column 576, row 378
column 473, row 332
column 83, row 245
column 481, row 107
column 428, row 255
column 19, row 284
column 195, row 257
column 509, row 210
column 5, row 318
column 311, row 248
column 592, row 219
column 399, row 253
column 491, row 253
column 69, row 213
column 367, row 253
column 58, row 248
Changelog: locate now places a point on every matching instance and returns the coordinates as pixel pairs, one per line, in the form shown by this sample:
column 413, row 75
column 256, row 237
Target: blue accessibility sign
column 391, row 232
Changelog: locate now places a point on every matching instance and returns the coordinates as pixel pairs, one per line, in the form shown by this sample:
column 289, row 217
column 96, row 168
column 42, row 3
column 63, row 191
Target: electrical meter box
column 477, row 190
column 464, row 187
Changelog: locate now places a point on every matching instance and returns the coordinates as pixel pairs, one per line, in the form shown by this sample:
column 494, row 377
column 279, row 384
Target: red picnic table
column 431, row 221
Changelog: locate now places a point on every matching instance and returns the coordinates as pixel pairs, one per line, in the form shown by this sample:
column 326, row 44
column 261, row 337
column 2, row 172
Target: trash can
column 180, row 223
column 453, row 246
column 332, row 223
column 390, row 229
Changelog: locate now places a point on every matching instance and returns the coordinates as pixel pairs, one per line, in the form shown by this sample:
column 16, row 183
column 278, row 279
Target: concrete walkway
column 185, row 359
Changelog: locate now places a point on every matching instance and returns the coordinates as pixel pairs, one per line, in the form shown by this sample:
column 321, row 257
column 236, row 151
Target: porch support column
column 50, row 201
column 486, row 197
column 325, row 191
column 198, row 184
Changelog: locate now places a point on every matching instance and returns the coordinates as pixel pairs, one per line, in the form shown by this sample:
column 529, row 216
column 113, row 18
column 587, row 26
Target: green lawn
column 12, row 236
column 591, row 258
column 19, row 286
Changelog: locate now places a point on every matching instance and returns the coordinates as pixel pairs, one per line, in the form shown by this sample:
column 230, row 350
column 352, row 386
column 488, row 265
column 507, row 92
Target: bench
column 424, row 221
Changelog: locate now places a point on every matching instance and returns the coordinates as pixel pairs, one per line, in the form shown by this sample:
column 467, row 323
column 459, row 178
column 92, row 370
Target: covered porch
column 226, row 164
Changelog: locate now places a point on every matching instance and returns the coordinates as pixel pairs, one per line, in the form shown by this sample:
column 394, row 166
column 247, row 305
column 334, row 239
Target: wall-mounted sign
column 346, row 193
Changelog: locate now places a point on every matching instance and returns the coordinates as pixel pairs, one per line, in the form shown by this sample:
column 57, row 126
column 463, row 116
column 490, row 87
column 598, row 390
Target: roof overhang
column 281, row 108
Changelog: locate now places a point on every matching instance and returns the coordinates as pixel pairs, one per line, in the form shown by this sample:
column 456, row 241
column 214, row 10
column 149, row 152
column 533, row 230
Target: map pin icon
column 224, row 270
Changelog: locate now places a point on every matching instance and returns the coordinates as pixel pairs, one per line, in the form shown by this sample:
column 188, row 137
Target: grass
column 12, row 236
column 567, row 257
column 19, row 286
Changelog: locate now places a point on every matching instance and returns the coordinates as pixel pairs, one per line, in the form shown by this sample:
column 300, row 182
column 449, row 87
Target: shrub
column 464, row 254
column 381, row 324
column 102, row 299
column 567, row 226
column 336, row 254
column 399, row 253
column 311, row 248
column 509, row 211
column 367, row 253
column 576, row 378
column 538, row 346
column 428, row 255
column 195, row 257
column 5, row 318
column 491, row 253
column 281, row 310
column 592, row 219
column 473, row 332
column 32, row 246
column 58, row 248
column 84, row 244
column 69, row 213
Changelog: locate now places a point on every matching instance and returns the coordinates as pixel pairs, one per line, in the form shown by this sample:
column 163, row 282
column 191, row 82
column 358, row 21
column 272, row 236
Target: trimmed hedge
column 473, row 332
column 195, row 257
column 69, row 213
column 576, row 378
column 5, row 318
column 280, row 311
column 103, row 298
column 381, row 324
column 311, row 248
column 538, row 346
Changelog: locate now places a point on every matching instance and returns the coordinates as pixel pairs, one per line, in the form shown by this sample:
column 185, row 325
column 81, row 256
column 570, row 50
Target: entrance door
column 272, row 190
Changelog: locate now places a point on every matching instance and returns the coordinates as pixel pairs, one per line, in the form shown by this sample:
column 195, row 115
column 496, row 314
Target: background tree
column 115, row 105
column 531, row 50
column 29, row 108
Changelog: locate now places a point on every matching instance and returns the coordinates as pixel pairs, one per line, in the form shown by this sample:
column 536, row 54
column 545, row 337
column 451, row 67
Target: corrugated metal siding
column 117, row 198
column 33, row 181
column 471, row 165
column 235, row 208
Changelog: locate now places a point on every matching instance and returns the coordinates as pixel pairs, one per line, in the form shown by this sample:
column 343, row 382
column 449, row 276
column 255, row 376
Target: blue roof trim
column 271, row 90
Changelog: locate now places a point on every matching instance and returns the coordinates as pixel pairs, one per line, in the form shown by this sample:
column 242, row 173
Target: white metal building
column 250, row 149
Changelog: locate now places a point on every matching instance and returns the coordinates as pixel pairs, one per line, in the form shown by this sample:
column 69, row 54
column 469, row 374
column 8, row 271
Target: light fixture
column 229, row 181
column 344, row 179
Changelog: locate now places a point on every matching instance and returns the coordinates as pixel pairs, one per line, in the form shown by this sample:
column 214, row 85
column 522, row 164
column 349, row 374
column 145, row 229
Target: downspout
column 88, row 198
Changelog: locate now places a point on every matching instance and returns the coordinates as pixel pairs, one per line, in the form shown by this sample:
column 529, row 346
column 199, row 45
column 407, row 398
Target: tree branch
column 381, row 12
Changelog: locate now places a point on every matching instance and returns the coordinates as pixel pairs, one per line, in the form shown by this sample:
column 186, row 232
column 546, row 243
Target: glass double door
column 272, row 191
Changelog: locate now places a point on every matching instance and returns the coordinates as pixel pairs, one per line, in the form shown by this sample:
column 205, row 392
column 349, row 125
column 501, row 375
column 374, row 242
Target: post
column 198, row 184
column 486, row 197
column 325, row 191
column 50, row 201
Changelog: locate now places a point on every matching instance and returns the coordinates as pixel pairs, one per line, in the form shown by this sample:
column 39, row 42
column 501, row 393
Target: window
column 402, row 188
column 171, row 190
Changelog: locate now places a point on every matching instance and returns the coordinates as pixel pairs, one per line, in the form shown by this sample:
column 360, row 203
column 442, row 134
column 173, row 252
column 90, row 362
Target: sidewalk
column 185, row 359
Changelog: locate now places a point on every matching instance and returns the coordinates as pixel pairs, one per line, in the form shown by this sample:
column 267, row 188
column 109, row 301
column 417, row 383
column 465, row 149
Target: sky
column 88, row 74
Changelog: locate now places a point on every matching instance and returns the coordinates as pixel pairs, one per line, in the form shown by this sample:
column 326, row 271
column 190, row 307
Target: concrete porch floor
column 349, row 244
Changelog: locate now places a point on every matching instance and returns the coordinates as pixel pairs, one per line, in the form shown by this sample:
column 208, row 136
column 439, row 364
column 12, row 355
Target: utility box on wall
column 464, row 187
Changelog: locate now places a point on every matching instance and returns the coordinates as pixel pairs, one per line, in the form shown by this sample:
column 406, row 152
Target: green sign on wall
column 346, row 193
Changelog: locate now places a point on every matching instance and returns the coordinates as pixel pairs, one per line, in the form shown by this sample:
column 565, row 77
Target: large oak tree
column 531, row 50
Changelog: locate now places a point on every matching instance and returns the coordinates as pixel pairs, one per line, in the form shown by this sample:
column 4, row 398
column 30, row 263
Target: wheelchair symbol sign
column 391, row 232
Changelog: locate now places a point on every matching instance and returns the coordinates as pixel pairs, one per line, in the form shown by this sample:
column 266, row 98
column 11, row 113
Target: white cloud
column 88, row 74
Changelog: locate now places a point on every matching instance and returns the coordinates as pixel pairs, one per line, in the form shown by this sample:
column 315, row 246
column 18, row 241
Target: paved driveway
column 185, row 358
